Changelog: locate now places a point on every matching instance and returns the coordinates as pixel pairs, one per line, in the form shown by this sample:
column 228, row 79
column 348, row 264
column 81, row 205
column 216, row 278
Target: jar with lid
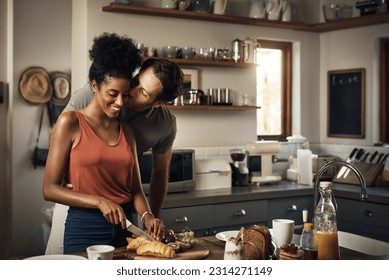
column 308, row 242
column 325, row 226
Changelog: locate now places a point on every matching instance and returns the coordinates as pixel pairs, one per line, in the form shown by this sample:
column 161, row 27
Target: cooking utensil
column 348, row 160
column 137, row 231
column 383, row 161
column 239, row 236
column 357, row 158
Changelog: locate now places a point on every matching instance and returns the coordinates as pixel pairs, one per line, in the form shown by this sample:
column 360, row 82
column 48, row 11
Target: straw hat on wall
column 35, row 85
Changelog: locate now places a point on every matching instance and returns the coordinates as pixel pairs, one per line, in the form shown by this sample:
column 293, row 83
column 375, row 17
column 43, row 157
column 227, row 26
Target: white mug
column 100, row 252
column 283, row 231
column 169, row 4
column 219, row 6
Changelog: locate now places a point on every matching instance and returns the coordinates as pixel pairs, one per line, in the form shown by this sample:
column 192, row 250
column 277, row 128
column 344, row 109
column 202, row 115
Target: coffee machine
column 266, row 150
column 240, row 172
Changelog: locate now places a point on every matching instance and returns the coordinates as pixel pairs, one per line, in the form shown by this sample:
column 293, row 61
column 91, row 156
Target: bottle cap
column 308, row 226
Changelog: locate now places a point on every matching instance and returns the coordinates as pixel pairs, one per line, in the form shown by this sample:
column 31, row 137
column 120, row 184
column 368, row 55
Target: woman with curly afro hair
column 95, row 151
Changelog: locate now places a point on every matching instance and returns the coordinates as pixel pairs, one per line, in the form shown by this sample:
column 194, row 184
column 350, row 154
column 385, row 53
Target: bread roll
column 134, row 243
column 156, row 249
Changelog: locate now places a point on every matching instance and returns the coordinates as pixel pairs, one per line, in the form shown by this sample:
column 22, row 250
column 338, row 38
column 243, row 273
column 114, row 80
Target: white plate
column 225, row 235
column 56, row 257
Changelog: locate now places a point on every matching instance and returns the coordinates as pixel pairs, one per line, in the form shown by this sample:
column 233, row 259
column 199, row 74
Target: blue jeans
column 85, row 227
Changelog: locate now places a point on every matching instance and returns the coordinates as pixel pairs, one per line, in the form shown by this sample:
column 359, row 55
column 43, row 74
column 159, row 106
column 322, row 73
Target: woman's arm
column 154, row 225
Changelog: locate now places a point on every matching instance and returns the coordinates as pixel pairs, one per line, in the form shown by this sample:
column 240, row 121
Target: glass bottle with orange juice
column 325, row 226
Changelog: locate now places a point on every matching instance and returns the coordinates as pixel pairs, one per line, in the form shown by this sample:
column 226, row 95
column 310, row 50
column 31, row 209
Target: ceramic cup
column 100, row 252
column 233, row 251
column 283, row 231
column 169, row 4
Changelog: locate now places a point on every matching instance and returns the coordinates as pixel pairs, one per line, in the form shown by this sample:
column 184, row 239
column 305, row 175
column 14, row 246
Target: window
column 274, row 90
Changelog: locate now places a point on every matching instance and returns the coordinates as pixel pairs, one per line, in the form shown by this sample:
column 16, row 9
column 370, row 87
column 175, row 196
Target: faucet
column 362, row 182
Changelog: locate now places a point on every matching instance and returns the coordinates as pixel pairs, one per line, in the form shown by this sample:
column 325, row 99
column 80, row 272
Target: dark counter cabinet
column 363, row 218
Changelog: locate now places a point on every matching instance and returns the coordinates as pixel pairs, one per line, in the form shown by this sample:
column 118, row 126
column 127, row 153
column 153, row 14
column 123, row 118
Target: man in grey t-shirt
column 157, row 82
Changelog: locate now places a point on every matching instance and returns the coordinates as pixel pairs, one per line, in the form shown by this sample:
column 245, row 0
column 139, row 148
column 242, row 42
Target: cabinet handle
column 240, row 212
column 292, row 208
column 181, row 219
column 368, row 213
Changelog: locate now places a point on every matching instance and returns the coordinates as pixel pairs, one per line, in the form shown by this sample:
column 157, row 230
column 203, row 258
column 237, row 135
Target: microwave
column 181, row 173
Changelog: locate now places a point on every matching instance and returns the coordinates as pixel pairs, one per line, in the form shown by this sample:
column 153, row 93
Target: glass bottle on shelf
column 325, row 227
column 308, row 242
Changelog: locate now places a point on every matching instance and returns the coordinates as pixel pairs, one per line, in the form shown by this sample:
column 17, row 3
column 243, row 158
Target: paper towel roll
column 304, row 161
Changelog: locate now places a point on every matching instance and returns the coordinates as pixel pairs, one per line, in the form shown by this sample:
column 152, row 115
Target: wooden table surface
column 211, row 243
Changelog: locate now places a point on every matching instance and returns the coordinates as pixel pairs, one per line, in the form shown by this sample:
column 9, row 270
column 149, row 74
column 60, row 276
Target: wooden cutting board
column 197, row 252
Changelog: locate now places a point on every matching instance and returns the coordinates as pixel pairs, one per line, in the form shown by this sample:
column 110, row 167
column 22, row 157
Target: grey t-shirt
column 155, row 128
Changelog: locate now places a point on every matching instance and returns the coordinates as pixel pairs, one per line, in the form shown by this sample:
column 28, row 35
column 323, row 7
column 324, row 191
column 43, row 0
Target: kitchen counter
column 216, row 251
column 282, row 189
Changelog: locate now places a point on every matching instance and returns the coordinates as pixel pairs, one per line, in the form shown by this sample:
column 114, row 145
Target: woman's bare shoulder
column 67, row 120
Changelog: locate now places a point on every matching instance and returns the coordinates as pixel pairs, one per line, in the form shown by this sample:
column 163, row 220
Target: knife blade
column 348, row 160
column 373, row 157
column 379, row 158
column 383, row 160
column 357, row 158
column 137, row 231
column 364, row 157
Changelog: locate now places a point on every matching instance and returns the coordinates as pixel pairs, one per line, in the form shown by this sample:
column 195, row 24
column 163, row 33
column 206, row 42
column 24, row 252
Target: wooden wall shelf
column 212, row 63
column 213, row 108
column 319, row 27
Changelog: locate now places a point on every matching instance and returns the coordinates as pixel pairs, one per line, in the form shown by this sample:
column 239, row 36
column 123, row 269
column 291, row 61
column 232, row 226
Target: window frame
column 286, row 88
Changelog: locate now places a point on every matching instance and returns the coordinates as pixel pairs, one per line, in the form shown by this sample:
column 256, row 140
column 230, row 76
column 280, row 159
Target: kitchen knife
column 348, row 160
column 373, row 157
column 383, row 160
column 379, row 158
column 137, row 231
column 357, row 158
column 371, row 160
column 364, row 157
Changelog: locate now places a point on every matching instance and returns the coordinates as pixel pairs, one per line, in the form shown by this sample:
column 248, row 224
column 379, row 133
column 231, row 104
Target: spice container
column 308, row 242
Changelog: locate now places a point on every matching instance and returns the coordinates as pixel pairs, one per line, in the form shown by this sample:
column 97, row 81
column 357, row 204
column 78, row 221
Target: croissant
column 156, row 249
column 134, row 243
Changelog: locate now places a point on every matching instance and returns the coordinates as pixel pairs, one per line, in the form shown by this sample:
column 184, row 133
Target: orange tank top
column 100, row 169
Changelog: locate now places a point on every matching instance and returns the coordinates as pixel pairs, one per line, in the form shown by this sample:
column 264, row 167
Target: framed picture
column 191, row 78
column 346, row 103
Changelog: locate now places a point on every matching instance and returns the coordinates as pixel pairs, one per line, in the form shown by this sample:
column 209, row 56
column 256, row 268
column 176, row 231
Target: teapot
column 258, row 9
column 219, row 6
column 273, row 9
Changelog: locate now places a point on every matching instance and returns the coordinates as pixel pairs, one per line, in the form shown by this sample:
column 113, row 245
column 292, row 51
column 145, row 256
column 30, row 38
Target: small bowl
column 170, row 51
column 337, row 11
column 188, row 52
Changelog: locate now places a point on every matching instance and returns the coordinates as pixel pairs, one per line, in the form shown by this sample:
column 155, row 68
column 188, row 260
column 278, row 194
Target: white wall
column 348, row 49
column 42, row 37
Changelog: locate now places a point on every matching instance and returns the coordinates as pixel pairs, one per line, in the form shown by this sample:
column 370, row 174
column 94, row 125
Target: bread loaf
column 257, row 243
column 156, row 249
column 134, row 243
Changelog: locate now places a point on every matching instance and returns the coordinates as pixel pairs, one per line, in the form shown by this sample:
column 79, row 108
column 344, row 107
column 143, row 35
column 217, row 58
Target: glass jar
column 325, row 227
column 308, row 242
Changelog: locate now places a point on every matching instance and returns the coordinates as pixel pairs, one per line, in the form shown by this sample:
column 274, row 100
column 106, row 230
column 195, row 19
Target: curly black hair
column 113, row 56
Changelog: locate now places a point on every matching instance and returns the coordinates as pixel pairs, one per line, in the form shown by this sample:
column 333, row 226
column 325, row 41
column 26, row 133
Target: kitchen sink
column 372, row 248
